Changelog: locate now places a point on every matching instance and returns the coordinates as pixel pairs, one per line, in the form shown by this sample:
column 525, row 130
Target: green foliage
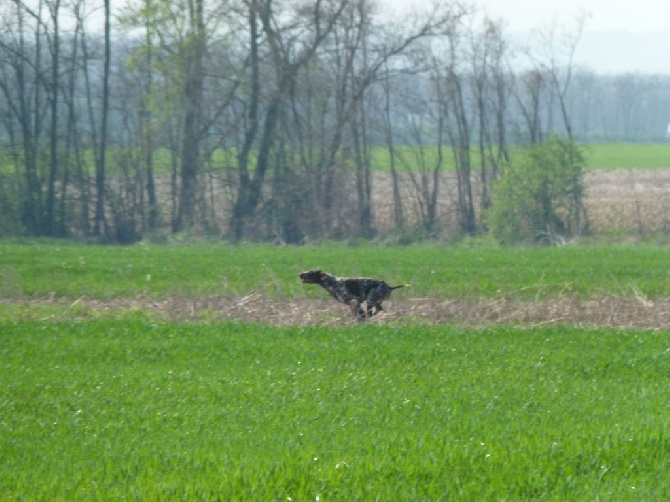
column 541, row 192
column 39, row 269
column 133, row 409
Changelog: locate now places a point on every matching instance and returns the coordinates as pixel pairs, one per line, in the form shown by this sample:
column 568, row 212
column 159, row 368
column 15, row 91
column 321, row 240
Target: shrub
column 539, row 197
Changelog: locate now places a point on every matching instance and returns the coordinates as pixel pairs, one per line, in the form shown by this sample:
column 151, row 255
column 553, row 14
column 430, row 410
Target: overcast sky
column 619, row 35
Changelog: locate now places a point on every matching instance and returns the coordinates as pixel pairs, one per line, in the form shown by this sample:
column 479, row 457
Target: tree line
column 263, row 119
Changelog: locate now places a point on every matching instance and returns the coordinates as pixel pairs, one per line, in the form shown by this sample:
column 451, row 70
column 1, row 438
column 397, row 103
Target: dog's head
column 313, row 276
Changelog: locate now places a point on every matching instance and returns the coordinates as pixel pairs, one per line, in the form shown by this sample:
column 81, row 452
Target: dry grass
column 628, row 199
column 617, row 201
column 636, row 313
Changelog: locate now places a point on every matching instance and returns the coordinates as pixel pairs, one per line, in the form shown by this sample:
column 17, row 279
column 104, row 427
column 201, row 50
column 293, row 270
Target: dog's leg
column 361, row 313
column 375, row 299
column 356, row 310
column 374, row 309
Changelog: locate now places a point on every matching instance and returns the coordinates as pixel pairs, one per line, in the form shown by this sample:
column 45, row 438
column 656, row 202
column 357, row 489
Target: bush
column 539, row 197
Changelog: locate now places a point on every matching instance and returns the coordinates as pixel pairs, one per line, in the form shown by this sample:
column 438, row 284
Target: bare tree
column 97, row 108
column 365, row 54
column 398, row 213
column 147, row 130
column 72, row 151
column 490, row 93
column 100, row 228
column 426, row 125
column 528, row 92
column 193, row 59
column 556, row 53
column 22, row 84
column 54, row 43
column 459, row 131
column 289, row 55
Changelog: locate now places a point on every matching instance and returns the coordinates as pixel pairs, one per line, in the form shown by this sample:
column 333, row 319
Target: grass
column 43, row 268
column 598, row 155
column 125, row 405
column 628, row 155
column 132, row 408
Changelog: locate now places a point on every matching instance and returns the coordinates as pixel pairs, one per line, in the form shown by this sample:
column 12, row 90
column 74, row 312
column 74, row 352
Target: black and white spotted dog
column 353, row 291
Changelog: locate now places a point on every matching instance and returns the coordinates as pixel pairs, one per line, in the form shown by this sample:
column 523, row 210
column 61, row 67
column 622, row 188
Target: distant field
column 598, row 156
column 136, row 409
column 629, row 156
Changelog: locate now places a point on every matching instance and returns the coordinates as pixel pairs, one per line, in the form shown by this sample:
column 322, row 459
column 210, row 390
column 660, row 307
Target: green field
column 628, row 155
column 598, row 156
column 132, row 409
column 40, row 269
column 125, row 405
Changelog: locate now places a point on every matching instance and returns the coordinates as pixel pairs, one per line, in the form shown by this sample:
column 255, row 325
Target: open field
column 599, row 156
column 628, row 155
column 136, row 409
column 208, row 372
column 62, row 269
column 607, row 285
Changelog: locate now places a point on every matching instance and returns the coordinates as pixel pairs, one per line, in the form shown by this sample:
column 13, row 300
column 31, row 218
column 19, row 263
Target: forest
column 278, row 121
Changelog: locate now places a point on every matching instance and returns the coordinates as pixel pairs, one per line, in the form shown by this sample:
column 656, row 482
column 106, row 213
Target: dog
column 352, row 291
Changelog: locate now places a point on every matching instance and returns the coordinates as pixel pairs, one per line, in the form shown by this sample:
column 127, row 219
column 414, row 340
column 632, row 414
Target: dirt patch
column 635, row 313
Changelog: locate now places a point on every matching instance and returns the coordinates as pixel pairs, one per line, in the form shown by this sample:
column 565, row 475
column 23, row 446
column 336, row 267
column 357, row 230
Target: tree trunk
column 48, row 224
column 193, row 90
column 241, row 206
column 100, row 227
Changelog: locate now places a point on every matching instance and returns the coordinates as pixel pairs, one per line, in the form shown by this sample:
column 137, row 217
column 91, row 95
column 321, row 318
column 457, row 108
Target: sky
column 619, row 35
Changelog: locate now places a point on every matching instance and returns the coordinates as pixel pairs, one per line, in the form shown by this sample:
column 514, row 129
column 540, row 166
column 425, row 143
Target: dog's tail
column 397, row 287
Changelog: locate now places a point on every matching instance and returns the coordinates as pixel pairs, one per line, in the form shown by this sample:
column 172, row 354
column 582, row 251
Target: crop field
column 599, row 156
column 628, row 155
column 208, row 372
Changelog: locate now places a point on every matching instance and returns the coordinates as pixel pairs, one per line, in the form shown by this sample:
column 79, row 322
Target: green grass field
column 40, row 269
column 598, row 156
column 133, row 409
column 628, row 155
column 125, row 405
